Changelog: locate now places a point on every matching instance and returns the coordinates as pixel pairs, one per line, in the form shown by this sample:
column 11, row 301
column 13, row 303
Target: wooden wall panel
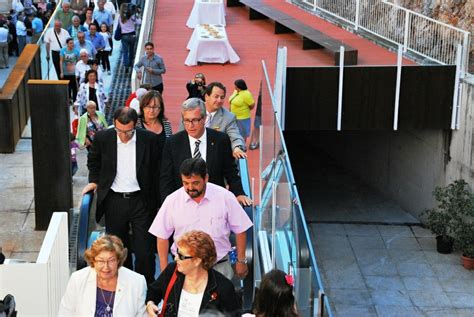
column 426, row 95
column 50, row 130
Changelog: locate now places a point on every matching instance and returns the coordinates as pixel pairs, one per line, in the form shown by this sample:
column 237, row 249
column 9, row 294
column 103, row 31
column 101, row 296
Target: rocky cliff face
column 459, row 13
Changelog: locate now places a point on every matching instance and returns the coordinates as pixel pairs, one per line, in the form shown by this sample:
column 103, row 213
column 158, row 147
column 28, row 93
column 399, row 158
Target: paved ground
column 18, row 238
column 375, row 259
column 387, row 270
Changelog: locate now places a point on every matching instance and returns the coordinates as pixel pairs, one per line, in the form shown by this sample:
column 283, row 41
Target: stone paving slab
column 397, row 311
column 376, row 282
column 18, row 237
column 355, row 310
column 379, row 270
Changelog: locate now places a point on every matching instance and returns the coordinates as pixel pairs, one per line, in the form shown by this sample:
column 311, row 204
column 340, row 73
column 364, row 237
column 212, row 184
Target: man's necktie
column 197, row 153
column 208, row 120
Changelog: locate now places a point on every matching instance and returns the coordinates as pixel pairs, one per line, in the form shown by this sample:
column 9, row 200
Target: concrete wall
column 5, row 5
column 461, row 163
column 404, row 166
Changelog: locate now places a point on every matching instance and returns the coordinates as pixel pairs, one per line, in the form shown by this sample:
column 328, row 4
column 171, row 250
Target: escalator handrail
column 248, row 282
column 83, row 230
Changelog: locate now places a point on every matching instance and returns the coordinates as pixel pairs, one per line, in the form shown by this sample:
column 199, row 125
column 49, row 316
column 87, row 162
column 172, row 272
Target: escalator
column 87, row 231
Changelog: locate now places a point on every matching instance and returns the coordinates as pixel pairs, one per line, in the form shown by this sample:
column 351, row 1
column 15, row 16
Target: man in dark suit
column 122, row 170
column 197, row 141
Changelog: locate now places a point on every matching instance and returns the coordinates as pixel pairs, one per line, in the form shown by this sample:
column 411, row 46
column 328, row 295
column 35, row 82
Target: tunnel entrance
column 380, row 177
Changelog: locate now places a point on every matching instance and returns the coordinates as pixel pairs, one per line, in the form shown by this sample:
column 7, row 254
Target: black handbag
column 118, row 33
column 7, row 306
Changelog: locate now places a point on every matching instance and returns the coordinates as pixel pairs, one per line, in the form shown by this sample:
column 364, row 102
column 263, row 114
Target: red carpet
column 253, row 41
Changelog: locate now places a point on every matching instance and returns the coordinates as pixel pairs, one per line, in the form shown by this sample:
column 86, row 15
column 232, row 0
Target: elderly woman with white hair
column 82, row 66
column 75, row 27
column 91, row 122
column 135, row 103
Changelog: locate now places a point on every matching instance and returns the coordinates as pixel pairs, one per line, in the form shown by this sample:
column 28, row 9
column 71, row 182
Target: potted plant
column 440, row 220
column 465, row 242
column 462, row 204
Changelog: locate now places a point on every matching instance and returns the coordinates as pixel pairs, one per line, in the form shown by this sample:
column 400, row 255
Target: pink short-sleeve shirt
column 217, row 214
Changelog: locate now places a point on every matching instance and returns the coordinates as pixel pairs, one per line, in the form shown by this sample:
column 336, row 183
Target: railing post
column 356, row 22
column 274, row 212
column 321, row 297
column 455, row 111
column 406, row 33
column 341, row 82
column 465, row 57
column 397, row 87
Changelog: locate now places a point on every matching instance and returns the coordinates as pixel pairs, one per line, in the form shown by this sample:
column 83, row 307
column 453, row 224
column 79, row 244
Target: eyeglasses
column 183, row 257
column 152, row 108
column 192, row 121
column 102, row 262
column 128, row 133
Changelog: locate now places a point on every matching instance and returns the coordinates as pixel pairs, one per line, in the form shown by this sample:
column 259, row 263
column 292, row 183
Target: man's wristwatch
column 243, row 261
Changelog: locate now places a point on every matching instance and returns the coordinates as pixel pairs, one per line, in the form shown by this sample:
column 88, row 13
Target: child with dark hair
column 275, row 296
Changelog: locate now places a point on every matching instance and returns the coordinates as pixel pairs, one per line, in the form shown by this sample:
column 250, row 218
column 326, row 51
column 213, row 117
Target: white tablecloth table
column 209, row 44
column 207, row 11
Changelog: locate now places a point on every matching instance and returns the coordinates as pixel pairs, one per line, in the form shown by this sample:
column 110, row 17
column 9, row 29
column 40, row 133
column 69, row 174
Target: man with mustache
column 200, row 205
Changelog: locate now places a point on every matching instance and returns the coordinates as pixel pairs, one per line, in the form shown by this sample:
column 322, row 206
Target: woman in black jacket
column 194, row 287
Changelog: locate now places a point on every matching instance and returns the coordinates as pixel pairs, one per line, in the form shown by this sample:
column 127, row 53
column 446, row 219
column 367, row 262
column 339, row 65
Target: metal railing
column 145, row 35
column 282, row 235
column 419, row 34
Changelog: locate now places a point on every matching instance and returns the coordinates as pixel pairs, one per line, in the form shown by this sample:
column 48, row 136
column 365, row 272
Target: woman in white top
column 195, row 289
column 104, row 288
column 93, row 90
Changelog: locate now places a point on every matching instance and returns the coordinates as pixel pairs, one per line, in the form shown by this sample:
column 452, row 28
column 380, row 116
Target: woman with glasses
column 190, row 287
column 152, row 116
column 105, row 288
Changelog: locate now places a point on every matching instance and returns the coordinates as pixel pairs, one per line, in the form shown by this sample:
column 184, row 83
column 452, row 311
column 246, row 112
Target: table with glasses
column 209, row 44
column 207, row 11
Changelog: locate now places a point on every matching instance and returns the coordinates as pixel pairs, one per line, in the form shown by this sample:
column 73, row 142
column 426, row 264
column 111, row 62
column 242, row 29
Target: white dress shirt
column 3, row 35
column 202, row 146
column 126, row 177
column 20, row 28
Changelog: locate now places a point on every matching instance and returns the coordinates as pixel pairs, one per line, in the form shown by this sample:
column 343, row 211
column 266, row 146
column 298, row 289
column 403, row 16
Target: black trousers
column 159, row 88
column 55, row 56
column 103, row 57
column 121, row 214
column 72, row 87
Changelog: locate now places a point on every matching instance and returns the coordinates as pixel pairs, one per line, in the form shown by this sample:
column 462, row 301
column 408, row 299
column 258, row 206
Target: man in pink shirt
column 200, row 205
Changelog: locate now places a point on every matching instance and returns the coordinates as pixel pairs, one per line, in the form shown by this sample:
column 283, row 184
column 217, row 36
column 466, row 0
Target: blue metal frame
column 83, row 231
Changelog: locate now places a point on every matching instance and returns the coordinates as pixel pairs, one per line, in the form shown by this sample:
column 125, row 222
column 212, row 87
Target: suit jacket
column 220, row 162
column 219, row 297
column 81, row 291
column 225, row 121
column 102, row 164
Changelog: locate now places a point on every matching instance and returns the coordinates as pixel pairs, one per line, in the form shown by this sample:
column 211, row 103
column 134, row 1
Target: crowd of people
column 172, row 193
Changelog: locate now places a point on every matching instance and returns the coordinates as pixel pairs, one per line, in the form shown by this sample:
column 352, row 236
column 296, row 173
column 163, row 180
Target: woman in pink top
column 128, row 20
